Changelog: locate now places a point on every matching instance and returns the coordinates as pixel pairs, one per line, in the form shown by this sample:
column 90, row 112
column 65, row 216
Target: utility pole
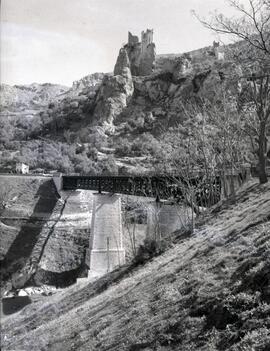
column 108, row 254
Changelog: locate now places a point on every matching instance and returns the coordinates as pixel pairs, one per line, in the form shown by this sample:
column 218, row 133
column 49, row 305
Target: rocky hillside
column 207, row 291
column 121, row 102
column 128, row 114
column 26, row 97
column 20, row 98
column 90, row 83
column 138, row 116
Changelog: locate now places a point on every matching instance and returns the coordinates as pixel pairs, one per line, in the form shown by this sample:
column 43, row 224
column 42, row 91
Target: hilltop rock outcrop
column 91, row 81
column 122, row 65
column 114, row 93
column 134, row 59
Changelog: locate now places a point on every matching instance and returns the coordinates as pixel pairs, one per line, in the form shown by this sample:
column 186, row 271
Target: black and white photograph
column 135, row 175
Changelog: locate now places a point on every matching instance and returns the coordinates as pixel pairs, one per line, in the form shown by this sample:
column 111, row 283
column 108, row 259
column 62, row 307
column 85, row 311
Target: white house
column 22, row 168
column 221, row 56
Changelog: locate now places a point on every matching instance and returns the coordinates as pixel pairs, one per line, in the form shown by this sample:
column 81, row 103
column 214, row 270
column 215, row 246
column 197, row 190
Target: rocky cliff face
column 122, row 65
column 134, row 54
column 114, row 100
column 158, row 101
column 86, row 85
column 146, row 95
column 114, row 93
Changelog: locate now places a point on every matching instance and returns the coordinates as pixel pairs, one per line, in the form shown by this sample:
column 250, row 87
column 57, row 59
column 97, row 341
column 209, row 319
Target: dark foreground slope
column 209, row 291
column 43, row 237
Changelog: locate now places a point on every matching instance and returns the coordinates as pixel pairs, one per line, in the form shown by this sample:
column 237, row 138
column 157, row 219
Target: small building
column 22, row 168
column 218, row 51
column 221, row 56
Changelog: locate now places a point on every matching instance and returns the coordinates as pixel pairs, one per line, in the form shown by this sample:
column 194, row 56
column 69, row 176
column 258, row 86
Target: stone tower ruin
column 146, row 39
column 132, row 39
column 141, row 54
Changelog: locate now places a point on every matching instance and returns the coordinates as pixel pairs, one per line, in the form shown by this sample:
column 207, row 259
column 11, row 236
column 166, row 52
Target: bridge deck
column 152, row 186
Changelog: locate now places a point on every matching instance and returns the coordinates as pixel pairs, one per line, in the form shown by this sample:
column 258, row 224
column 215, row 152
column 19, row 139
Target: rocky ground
column 208, row 291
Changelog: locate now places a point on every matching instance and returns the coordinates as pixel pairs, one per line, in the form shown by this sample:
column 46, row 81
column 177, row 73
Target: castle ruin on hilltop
column 141, row 54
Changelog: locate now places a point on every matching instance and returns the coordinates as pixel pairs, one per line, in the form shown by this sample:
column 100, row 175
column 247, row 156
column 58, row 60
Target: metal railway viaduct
column 106, row 250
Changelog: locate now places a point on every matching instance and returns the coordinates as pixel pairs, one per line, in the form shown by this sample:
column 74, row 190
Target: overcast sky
column 60, row 41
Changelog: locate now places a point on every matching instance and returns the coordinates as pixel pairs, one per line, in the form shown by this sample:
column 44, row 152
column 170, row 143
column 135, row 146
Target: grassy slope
column 208, row 292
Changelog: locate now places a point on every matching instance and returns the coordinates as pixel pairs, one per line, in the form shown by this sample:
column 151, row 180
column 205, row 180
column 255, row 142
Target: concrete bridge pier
column 106, row 240
column 232, row 180
column 164, row 218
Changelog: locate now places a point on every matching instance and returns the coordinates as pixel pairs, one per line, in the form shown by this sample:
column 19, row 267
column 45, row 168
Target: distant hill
column 34, row 96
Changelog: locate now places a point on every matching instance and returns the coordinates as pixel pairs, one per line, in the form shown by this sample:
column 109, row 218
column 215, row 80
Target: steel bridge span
column 151, row 186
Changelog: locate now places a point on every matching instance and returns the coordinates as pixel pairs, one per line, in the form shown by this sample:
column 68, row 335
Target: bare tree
column 253, row 29
column 212, row 145
column 253, row 25
column 260, row 93
column 134, row 213
column 130, row 226
column 228, row 142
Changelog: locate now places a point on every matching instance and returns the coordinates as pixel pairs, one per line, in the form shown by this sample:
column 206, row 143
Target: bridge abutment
column 58, row 183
